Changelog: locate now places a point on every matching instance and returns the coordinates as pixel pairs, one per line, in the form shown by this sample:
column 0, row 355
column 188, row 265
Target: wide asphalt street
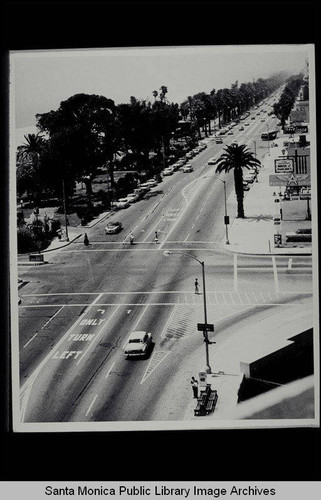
column 77, row 311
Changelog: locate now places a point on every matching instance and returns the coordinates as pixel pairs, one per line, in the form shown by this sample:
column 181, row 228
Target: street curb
column 62, row 246
column 268, row 254
column 46, row 251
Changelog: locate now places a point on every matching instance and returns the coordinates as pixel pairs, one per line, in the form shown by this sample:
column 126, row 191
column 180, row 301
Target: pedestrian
column 196, row 287
column 131, row 238
column 194, row 387
column 86, row 240
column 156, row 237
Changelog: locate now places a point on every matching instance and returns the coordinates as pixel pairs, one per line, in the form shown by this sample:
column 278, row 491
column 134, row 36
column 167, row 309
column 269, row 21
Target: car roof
column 137, row 334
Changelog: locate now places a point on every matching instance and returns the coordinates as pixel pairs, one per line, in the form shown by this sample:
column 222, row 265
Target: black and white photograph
column 163, row 238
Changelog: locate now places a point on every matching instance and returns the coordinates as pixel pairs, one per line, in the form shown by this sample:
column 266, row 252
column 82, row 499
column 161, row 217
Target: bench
column 206, row 402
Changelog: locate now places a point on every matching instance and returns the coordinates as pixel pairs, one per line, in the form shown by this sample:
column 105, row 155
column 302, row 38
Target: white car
column 168, row 171
column 187, row 168
column 132, row 197
column 121, row 203
column 151, row 182
column 139, row 343
column 145, row 187
column 211, row 161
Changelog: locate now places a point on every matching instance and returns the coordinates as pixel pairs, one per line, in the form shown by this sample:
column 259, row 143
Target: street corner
column 252, row 235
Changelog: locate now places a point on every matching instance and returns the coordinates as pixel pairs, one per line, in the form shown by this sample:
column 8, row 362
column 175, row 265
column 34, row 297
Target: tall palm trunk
column 238, row 182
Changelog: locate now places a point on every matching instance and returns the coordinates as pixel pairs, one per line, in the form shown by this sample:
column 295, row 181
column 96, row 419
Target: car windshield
column 132, row 341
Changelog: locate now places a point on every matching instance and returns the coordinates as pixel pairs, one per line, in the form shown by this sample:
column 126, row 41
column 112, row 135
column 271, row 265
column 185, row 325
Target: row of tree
column 87, row 132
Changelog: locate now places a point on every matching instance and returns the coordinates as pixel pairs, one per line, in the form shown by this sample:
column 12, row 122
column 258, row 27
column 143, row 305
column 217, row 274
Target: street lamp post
column 64, row 205
column 267, row 130
column 207, row 342
column 226, row 219
column 255, row 158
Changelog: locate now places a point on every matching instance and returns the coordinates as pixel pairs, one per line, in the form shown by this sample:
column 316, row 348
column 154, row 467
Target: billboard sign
column 283, row 166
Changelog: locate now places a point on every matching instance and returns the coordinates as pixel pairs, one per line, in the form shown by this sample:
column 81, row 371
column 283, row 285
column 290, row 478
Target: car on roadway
column 139, row 343
column 113, row 227
column 246, row 186
column 230, row 132
column 121, row 203
column 187, row 168
column 211, row 161
column 299, row 235
column 262, row 119
column 219, row 141
column 246, row 124
column 241, row 128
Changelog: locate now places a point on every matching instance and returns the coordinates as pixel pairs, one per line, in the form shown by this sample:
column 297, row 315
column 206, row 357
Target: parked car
column 121, row 203
column 139, row 343
column 246, row 124
column 140, row 191
column 132, row 197
column 246, row 186
column 248, row 178
column 187, row 168
column 113, row 227
column 230, row 132
column 219, row 141
column 241, row 128
column 146, row 187
column 277, row 220
column 305, row 194
column 151, row 182
column 168, row 171
column 299, row 235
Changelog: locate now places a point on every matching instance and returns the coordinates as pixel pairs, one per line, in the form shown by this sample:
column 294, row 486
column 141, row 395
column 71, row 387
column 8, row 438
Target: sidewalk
column 255, row 233
column 73, row 234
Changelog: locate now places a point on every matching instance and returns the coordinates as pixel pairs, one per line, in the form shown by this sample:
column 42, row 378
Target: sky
column 40, row 80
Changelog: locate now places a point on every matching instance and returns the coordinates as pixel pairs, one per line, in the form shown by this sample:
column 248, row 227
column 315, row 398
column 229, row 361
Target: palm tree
column 235, row 158
column 30, row 151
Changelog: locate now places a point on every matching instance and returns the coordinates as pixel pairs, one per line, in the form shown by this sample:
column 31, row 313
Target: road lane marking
column 91, row 405
column 235, row 273
column 50, row 319
column 97, row 335
column 156, row 359
column 276, row 281
column 110, row 369
column 26, row 388
column 163, row 335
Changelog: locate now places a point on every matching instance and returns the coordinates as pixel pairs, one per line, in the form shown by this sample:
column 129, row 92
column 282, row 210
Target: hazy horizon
column 42, row 79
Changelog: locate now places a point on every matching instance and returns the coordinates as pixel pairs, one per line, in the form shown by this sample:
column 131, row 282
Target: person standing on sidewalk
column 196, row 286
column 86, row 240
column 194, row 387
column 156, row 237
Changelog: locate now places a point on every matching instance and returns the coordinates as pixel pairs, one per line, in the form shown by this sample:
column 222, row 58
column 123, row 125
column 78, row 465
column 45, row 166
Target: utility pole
column 64, row 205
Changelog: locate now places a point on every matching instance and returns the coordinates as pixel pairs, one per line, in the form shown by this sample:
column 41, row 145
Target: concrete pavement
column 255, row 233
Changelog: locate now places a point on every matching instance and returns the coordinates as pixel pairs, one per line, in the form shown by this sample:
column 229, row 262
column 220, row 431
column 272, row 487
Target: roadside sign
column 289, row 180
column 283, row 166
column 201, row 327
